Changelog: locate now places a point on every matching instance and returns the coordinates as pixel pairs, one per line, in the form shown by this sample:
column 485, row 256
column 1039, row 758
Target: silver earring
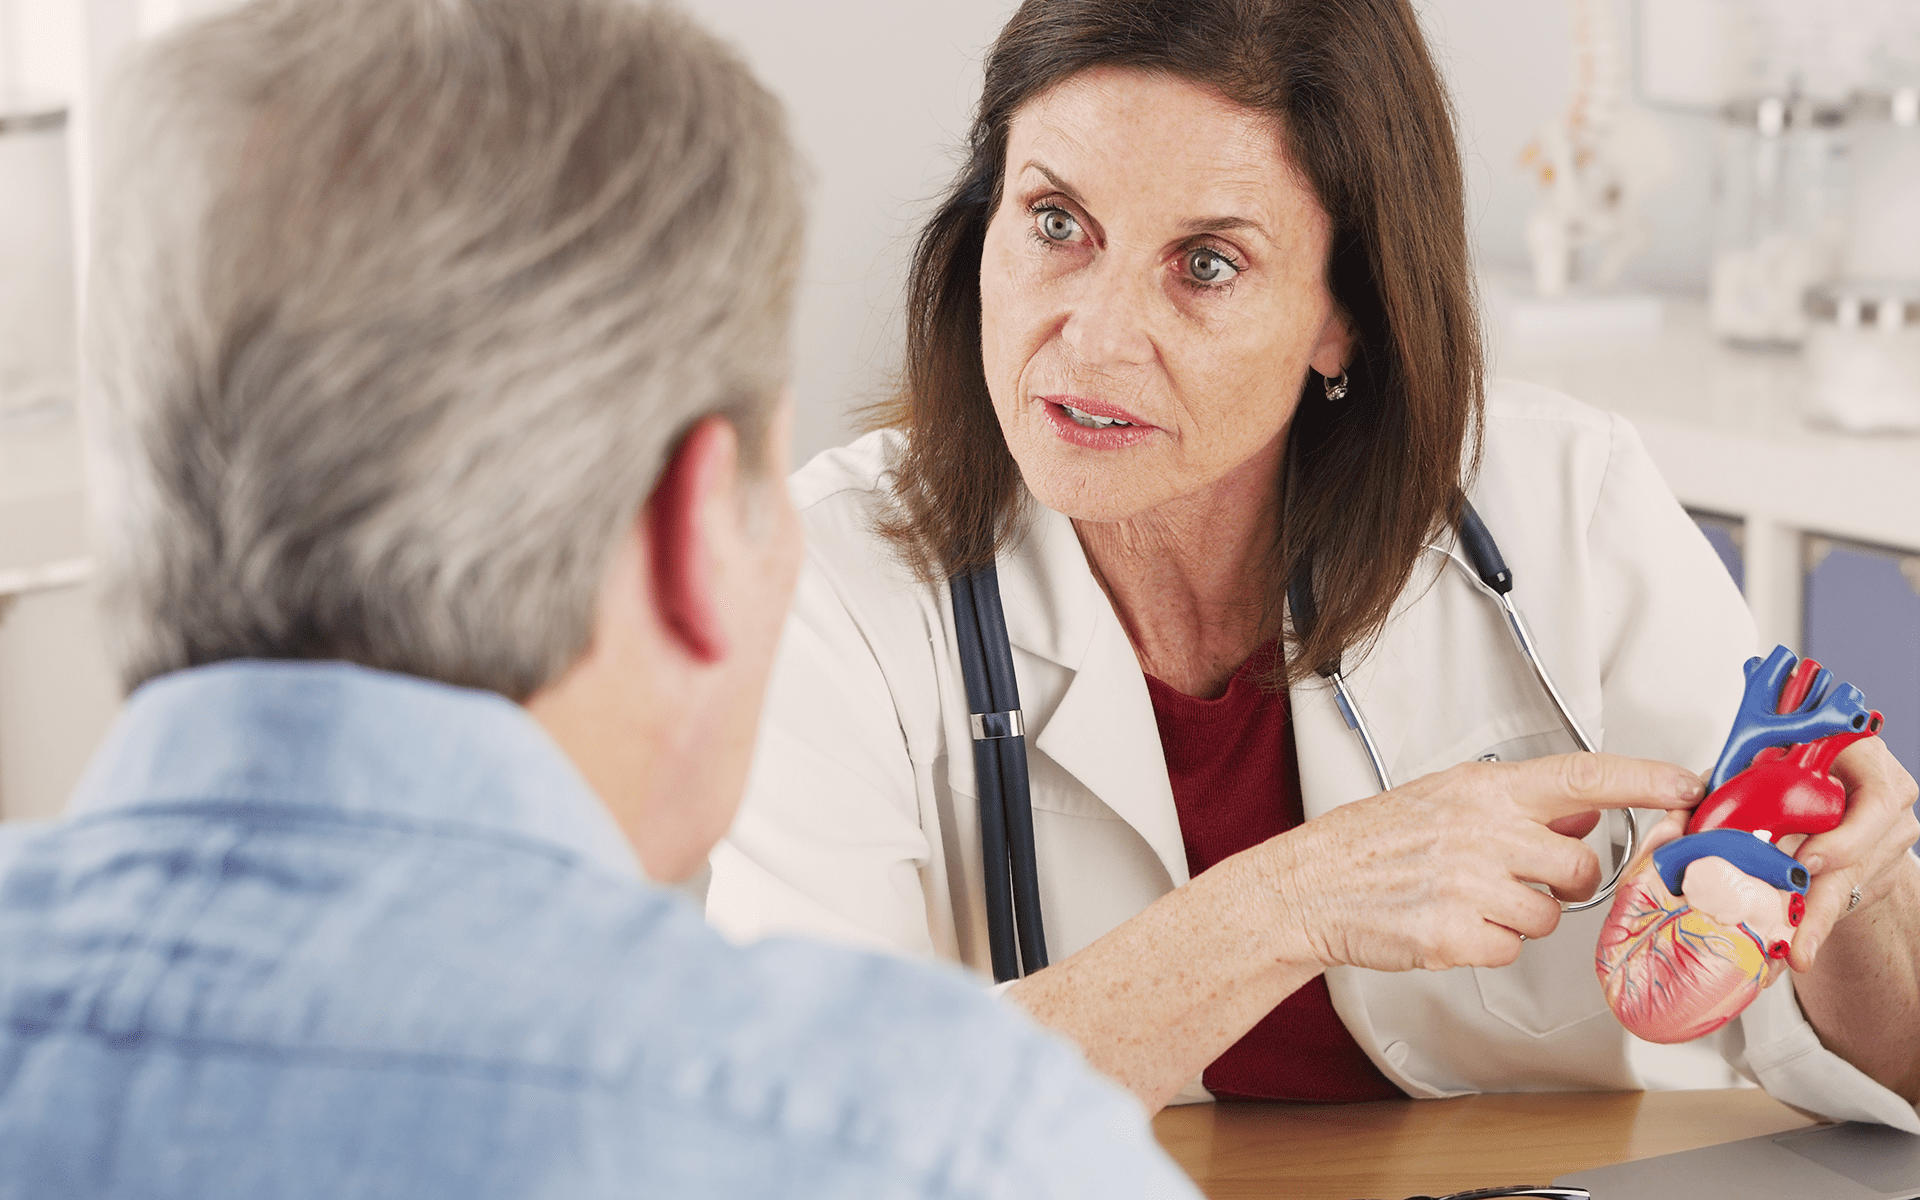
column 1337, row 388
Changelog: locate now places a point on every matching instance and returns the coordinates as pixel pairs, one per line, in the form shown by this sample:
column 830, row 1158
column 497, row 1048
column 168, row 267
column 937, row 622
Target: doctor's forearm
column 1164, row 994
column 1863, row 994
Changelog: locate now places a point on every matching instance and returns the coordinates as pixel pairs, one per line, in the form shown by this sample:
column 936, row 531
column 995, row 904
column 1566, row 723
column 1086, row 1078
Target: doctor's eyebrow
column 1059, row 184
column 1225, row 225
column 1188, row 228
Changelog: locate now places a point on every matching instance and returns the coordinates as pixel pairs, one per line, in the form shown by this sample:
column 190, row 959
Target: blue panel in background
column 1723, row 534
column 1863, row 621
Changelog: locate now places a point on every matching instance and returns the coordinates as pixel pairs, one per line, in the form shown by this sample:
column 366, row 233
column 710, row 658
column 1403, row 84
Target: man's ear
column 679, row 523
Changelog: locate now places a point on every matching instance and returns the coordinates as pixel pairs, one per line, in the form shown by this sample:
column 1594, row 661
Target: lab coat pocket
column 1551, row 987
column 1512, row 737
column 1538, row 743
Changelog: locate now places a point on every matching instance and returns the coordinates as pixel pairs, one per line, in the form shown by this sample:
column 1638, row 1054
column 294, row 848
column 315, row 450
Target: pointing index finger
column 1565, row 784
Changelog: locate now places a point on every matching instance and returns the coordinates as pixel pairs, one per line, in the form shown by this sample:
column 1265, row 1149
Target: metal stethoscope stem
column 1523, row 637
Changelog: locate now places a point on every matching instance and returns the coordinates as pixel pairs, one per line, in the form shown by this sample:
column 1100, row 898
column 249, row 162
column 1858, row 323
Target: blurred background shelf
column 1726, row 425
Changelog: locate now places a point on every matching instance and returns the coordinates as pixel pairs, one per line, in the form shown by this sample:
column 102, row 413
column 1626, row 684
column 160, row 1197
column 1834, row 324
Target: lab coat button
column 1396, row 1053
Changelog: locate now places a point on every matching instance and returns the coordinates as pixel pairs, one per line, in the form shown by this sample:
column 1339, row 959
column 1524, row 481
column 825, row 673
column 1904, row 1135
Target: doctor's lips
column 1085, row 421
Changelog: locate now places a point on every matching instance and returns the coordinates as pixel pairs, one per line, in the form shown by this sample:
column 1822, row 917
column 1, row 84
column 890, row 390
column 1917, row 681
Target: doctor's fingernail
column 1686, row 787
column 1814, row 864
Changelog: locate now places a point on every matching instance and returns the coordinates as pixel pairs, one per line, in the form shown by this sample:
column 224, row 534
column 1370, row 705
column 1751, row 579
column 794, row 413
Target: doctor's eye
column 1209, row 267
column 1055, row 224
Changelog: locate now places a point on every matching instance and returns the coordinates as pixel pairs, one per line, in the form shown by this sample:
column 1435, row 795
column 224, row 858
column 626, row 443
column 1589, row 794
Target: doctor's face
column 1153, row 291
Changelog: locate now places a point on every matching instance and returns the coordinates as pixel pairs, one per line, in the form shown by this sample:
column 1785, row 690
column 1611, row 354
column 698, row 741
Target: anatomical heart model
column 1703, row 921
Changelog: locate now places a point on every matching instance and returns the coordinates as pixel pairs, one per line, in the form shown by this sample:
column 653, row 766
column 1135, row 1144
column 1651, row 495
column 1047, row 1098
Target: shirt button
column 1397, row 1053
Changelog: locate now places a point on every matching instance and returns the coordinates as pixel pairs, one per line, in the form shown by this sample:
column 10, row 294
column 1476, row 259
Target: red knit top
column 1235, row 784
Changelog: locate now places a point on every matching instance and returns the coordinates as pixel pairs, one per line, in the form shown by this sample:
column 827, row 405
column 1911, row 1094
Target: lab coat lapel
column 1102, row 732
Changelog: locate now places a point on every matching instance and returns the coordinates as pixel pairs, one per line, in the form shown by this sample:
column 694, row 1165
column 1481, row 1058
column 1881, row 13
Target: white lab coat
column 860, row 822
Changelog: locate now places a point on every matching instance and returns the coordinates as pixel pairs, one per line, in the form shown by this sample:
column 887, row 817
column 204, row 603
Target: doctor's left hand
column 1870, row 849
column 1858, row 973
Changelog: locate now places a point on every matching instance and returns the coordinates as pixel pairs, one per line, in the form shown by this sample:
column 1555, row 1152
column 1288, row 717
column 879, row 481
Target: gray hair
column 399, row 308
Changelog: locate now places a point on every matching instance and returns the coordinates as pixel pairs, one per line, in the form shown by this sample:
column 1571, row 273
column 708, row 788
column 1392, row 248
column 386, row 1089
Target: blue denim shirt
column 316, row 930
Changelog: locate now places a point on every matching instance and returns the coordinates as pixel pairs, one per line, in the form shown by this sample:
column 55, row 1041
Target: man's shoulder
column 883, row 1075
column 405, row 991
column 763, row 1066
column 915, row 1069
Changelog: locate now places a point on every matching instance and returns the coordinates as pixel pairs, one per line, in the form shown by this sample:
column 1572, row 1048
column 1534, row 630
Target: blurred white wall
column 880, row 94
column 40, row 44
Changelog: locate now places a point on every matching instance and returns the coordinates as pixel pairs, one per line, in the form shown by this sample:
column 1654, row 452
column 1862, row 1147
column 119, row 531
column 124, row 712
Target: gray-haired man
column 436, row 368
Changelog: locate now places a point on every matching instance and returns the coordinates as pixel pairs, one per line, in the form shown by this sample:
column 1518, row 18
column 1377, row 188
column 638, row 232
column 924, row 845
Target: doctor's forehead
column 1123, row 134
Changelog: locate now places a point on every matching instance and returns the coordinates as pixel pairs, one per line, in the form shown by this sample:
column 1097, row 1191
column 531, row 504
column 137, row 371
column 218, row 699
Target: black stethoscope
column 1014, row 929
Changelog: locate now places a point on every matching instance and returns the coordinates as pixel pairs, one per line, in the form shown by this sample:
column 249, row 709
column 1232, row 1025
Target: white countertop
column 1724, row 425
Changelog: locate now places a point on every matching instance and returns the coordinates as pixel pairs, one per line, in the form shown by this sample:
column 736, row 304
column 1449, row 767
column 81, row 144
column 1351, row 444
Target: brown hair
column 1365, row 482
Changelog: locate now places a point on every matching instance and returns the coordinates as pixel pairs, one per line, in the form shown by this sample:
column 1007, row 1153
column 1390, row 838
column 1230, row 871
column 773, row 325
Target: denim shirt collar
column 335, row 736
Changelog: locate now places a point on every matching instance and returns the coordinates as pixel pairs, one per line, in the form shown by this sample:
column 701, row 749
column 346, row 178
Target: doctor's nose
column 1106, row 324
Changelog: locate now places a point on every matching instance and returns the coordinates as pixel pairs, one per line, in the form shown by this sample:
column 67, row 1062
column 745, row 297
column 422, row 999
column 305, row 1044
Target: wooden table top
column 1397, row 1148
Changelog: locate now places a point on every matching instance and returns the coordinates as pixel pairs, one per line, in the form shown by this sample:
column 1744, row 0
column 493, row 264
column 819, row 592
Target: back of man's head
column 419, row 298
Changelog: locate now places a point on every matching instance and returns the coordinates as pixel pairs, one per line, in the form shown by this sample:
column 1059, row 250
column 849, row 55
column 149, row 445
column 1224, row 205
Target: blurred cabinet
column 57, row 697
column 1860, row 616
column 57, row 692
column 1727, row 536
column 1863, row 621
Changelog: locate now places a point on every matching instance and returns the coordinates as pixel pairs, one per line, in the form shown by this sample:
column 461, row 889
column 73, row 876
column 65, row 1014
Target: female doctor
column 1195, row 321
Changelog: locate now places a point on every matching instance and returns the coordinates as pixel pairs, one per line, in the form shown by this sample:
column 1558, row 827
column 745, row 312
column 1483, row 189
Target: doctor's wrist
column 1283, row 903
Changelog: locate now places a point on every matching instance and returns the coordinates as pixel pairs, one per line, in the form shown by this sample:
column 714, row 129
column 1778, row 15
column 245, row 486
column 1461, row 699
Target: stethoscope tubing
column 1016, row 935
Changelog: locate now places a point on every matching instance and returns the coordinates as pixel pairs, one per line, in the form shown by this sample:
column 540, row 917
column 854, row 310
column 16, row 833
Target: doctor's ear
column 1333, row 349
column 694, row 503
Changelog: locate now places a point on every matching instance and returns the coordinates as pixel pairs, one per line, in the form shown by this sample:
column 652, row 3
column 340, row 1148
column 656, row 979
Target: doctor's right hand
column 1435, row 873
